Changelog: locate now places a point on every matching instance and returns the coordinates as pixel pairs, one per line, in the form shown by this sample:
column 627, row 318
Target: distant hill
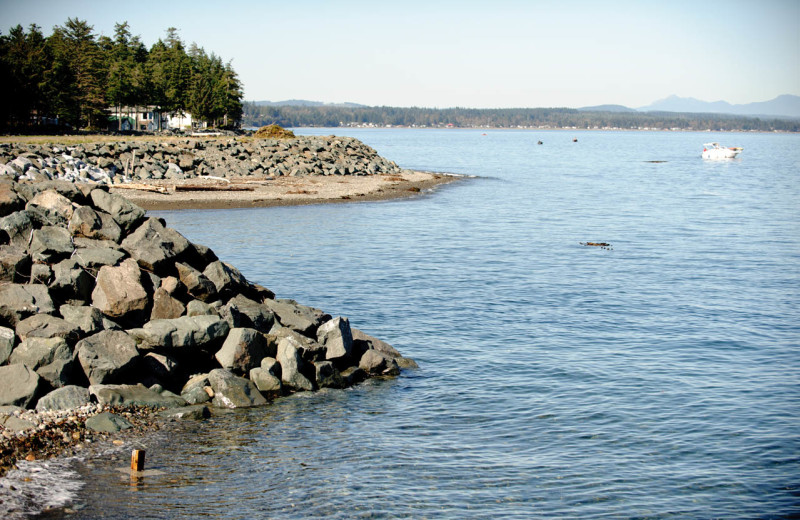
column 782, row 106
column 304, row 103
column 607, row 108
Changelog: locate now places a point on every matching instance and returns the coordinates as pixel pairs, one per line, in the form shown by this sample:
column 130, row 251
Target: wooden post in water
column 137, row 460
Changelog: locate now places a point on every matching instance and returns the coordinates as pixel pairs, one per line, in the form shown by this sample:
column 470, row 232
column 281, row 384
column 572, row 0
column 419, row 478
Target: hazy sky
column 497, row 53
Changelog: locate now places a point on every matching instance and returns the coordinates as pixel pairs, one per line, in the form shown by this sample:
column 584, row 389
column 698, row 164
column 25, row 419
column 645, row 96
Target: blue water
column 657, row 379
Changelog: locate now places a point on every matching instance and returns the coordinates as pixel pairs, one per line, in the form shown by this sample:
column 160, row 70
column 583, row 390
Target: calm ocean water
column 658, row 379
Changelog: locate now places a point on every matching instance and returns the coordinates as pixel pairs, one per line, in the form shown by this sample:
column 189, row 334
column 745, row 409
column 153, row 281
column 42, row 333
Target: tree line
column 73, row 77
column 333, row 116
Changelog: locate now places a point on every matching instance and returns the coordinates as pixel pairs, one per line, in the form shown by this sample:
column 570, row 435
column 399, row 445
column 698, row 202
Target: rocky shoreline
column 107, row 316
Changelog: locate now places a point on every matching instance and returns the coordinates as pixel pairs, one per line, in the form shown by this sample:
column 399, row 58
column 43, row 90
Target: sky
column 478, row 54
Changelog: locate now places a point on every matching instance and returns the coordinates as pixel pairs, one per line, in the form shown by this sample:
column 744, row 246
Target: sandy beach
column 246, row 192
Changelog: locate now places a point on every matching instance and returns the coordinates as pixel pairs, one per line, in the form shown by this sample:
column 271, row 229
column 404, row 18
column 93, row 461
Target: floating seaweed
column 601, row 245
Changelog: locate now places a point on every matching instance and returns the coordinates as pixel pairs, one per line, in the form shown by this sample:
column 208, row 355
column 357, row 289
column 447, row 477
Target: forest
column 73, row 78
column 333, row 116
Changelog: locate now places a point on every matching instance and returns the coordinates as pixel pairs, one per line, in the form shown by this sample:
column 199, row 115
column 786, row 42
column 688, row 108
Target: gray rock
column 244, row 312
column 7, row 341
column 133, row 395
column 198, row 308
column 195, row 412
column 266, row 383
column 15, row 264
column 51, row 358
column 53, row 201
column 87, row 320
column 153, row 245
column 337, row 338
column 47, row 326
column 242, row 350
column 94, row 258
column 231, row 391
column 119, row 291
column 124, row 213
column 107, row 357
column 18, row 226
column 18, row 301
column 363, row 342
column 298, row 317
column 197, row 285
column 227, row 280
column 64, row 398
column 310, row 350
column 353, row 375
column 291, row 362
column 196, row 395
column 327, row 375
column 107, row 422
column 50, row 243
column 88, row 223
column 377, row 363
column 15, row 424
column 19, row 385
column 71, row 282
column 181, row 333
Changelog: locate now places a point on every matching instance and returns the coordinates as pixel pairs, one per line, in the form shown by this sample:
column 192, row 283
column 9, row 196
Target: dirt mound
column 274, row 132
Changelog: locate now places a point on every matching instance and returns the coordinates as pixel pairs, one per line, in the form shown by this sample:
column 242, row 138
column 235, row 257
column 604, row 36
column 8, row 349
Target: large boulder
column 291, row 363
column 64, row 398
column 47, row 326
column 231, row 391
column 107, row 357
column 244, row 312
column 88, row 320
column 228, row 281
column 119, row 292
column 53, row 201
column 197, row 285
column 51, row 358
column 377, row 363
column 124, row 213
column 186, row 332
column 301, row 318
column 86, row 222
column 19, row 385
column 327, row 375
column 337, row 338
column 133, row 395
column 50, row 243
column 153, row 244
column 267, row 377
column 242, row 350
column 18, row 301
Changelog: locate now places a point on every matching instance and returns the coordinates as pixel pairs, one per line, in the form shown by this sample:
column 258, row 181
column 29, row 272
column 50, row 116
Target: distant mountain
column 782, row 106
column 304, row 103
column 606, row 108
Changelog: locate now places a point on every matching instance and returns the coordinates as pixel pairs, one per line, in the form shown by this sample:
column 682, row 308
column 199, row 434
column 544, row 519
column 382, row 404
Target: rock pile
column 101, row 304
column 136, row 161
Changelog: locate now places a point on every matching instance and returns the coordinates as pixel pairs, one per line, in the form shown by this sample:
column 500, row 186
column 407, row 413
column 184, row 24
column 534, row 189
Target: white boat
column 715, row 151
